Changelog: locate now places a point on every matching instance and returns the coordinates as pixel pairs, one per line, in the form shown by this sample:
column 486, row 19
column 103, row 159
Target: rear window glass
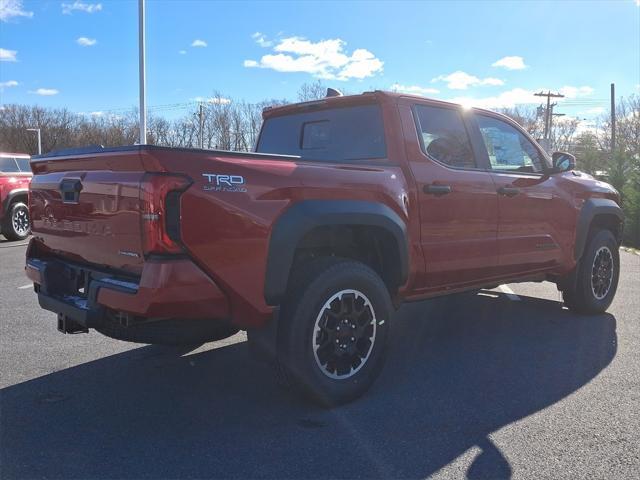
column 335, row 135
column 8, row 165
column 23, row 164
column 444, row 136
column 316, row 135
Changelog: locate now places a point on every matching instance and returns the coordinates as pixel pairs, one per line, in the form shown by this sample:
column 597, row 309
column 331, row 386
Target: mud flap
column 263, row 342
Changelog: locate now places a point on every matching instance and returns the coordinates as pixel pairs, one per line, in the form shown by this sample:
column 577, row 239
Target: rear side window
column 8, row 165
column 23, row 164
column 444, row 137
column 335, row 135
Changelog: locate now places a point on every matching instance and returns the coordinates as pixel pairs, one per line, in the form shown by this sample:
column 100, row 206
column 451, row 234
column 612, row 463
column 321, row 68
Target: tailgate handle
column 70, row 189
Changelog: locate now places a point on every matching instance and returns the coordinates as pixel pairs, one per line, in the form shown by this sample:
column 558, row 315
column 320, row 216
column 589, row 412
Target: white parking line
column 23, row 287
column 509, row 293
column 7, row 244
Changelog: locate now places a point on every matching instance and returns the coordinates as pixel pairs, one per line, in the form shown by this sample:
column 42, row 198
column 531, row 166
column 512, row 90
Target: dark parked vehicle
column 349, row 207
column 15, row 175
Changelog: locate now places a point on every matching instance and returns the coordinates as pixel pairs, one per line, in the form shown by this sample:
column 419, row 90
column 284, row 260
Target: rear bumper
column 175, row 289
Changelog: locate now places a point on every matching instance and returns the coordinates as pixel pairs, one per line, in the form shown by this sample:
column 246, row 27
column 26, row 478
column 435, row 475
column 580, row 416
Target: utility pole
column 548, row 111
column 37, row 130
column 141, row 67
column 201, row 123
column 613, row 118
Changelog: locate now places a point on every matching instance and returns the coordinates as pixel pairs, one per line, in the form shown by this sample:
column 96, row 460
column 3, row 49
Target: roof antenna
column 333, row 92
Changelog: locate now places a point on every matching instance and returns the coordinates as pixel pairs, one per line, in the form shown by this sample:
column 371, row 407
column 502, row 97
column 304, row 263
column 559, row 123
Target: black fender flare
column 8, row 200
column 298, row 220
column 591, row 208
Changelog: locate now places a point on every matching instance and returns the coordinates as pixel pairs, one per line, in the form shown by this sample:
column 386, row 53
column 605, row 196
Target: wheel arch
column 597, row 212
column 300, row 223
column 13, row 196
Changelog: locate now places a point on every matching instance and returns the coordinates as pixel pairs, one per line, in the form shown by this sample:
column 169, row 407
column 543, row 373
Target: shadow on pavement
column 459, row 368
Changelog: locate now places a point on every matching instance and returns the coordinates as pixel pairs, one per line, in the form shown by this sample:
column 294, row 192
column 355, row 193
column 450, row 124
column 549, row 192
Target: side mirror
column 563, row 162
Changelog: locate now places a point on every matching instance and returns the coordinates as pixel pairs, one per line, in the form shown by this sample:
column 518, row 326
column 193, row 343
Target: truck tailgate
column 89, row 209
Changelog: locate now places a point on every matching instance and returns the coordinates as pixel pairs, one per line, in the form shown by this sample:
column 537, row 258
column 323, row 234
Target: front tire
column 334, row 330
column 596, row 277
column 17, row 225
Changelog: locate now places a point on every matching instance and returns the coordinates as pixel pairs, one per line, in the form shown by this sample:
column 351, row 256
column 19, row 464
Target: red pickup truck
column 350, row 206
column 15, row 175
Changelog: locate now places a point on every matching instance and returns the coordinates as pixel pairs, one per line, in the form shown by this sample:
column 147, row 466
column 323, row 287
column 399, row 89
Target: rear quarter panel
column 227, row 233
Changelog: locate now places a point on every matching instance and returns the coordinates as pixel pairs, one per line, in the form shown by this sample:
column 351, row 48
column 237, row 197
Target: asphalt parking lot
column 500, row 384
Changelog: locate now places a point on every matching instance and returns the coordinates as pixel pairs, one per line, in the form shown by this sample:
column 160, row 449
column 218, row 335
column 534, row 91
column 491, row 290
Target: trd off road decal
column 224, row 183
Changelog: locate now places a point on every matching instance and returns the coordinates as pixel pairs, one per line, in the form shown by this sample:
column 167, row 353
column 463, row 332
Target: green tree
column 589, row 157
column 631, row 204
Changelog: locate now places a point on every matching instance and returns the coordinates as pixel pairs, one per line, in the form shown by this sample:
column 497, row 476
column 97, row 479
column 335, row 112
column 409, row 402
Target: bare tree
column 527, row 118
column 563, row 132
column 311, row 91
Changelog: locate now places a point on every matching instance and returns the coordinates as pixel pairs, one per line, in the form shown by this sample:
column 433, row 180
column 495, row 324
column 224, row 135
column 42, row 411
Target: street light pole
column 141, row 53
column 37, row 130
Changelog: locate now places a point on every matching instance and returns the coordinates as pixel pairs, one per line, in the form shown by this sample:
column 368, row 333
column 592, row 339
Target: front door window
column 509, row 150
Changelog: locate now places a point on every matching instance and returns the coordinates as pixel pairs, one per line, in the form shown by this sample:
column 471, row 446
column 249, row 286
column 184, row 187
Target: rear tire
column 334, row 330
column 17, row 225
column 596, row 277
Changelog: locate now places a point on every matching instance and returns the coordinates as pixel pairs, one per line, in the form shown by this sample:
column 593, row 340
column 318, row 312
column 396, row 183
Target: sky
column 83, row 55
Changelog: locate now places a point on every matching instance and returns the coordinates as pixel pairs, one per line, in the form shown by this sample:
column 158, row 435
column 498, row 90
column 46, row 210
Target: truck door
column 456, row 196
column 530, row 209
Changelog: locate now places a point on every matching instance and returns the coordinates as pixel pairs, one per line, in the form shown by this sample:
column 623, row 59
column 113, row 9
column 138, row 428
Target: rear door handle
column 436, row 190
column 509, row 191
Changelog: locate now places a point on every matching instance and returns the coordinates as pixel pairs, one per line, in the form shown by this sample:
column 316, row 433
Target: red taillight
column 159, row 198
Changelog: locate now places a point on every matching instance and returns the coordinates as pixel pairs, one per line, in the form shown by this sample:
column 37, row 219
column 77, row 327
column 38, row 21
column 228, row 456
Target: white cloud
column 97, row 114
column 198, row 43
column 324, row 59
column 519, row 96
column 261, row 39
column 45, row 92
column 415, row 89
column 13, row 8
column 182, row 52
column 593, row 111
column 510, row 63
column 506, row 99
column 363, row 64
column 69, row 8
column 576, row 92
column 86, row 42
column 8, row 84
column 8, row 55
column 212, row 100
column 460, row 80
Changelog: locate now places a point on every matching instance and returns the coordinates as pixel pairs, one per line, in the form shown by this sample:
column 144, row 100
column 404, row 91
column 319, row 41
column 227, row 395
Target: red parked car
column 349, row 207
column 15, row 175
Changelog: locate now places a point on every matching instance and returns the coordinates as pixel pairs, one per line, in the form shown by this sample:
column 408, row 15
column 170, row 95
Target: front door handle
column 436, row 190
column 509, row 191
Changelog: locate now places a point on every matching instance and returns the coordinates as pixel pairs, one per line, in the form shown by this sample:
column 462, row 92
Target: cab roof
column 358, row 99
